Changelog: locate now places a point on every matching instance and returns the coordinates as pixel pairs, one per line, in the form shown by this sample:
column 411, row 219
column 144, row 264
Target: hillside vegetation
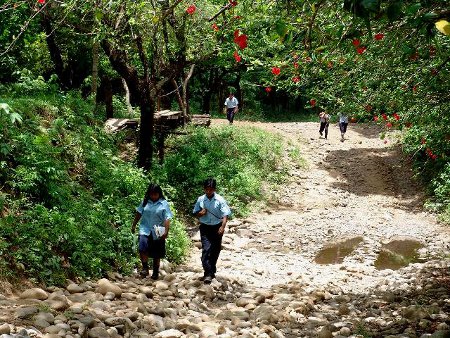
column 67, row 198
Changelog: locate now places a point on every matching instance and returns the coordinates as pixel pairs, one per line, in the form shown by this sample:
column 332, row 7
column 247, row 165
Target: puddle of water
column 336, row 252
column 398, row 254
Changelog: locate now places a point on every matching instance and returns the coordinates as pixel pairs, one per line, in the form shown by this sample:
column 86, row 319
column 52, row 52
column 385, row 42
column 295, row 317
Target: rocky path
column 344, row 249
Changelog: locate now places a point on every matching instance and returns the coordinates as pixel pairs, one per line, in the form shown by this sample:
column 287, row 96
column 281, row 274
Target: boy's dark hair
column 210, row 183
column 152, row 188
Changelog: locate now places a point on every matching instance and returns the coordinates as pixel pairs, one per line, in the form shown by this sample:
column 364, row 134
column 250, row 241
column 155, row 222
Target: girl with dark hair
column 154, row 215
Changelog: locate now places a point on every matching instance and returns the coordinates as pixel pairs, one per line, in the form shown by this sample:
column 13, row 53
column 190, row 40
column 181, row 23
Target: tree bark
column 55, row 52
column 108, row 97
column 177, row 93
column 95, row 58
column 140, row 89
column 185, row 98
column 127, row 96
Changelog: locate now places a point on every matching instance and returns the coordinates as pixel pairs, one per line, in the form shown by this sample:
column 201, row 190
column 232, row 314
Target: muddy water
column 397, row 254
column 336, row 252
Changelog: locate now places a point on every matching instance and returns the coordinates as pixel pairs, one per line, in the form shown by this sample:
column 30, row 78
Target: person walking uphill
column 343, row 123
column 155, row 215
column 212, row 211
column 231, row 104
column 324, row 123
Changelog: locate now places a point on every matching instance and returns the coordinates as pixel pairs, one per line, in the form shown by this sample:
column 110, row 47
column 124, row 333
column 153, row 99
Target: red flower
column 389, row 125
column 296, row 79
column 423, row 141
column 312, row 102
column 41, row 2
column 384, row 116
column 379, row 36
column 414, row 88
column 396, row 116
column 385, row 141
column 308, row 59
column 215, row 27
column 276, row 71
column 432, row 51
column 295, row 65
column 268, row 89
column 233, row 3
column 191, row 9
column 430, row 154
column 414, row 56
column 237, row 56
column 375, row 118
column 361, row 50
column 240, row 40
column 356, row 42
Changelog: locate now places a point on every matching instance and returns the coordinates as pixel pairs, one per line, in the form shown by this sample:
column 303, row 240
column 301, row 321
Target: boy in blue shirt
column 212, row 211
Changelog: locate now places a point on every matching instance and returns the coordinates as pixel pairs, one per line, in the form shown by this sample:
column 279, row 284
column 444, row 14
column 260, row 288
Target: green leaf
column 413, row 8
column 394, row 11
column 98, row 15
column 281, row 28
column 5, row 107
column 15, row 118
column 430, row 16
column 370, row 5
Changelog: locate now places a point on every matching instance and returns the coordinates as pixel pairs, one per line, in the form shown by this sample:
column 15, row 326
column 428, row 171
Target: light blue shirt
column 231, row 103
column 217, row 208
column 343, row 119
column 154, row 213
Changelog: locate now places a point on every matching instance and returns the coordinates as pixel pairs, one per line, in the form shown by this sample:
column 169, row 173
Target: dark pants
column 230, row 114
column 211, row 246
column 343, row 127
column 324, row 126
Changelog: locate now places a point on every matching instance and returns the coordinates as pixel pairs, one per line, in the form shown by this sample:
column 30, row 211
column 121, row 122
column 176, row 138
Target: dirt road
column 349, row 200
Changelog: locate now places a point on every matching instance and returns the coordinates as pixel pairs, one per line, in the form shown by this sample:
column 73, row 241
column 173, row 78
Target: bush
column 241, row 160
column 67, row 198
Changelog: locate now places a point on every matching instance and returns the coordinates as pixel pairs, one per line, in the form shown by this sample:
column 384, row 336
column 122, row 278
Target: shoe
column 207, row 280
column 143, row 273
column 154, row 276
column 320, row 133
column 202, row 278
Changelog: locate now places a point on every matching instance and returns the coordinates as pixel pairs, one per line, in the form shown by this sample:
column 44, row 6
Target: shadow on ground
column 374, row 171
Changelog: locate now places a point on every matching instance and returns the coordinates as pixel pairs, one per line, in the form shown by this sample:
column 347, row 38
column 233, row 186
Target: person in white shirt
column 231, row 104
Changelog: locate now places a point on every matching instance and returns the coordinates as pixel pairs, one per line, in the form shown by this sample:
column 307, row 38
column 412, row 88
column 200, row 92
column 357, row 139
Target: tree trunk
column 185, row 98
column 127, row 96
column 177, row 93
column 139, row 88
column 108, row 98
column 55, row 52
column 147, row 106
column 95, row 58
